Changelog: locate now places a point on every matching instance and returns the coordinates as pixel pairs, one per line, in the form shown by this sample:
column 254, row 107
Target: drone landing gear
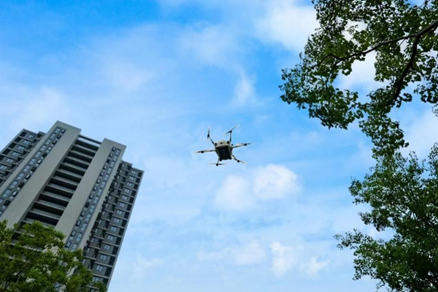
column 217, row 163
column 238, row 161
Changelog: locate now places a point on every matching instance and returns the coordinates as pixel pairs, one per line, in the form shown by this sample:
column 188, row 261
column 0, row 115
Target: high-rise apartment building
column 75, row 184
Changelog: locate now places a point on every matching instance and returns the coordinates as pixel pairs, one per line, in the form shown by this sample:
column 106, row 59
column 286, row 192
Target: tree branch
column 399, row 82
column 417, row 36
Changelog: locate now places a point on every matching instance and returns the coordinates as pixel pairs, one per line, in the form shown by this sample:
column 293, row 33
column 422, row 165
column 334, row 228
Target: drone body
column 224, row 148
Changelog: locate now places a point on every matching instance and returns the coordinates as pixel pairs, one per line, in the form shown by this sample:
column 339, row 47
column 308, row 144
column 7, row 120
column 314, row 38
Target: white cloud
column 242, row 191
column 235, row 194
column 283, row 258
column 244, row 91
column 422, row 133
column 249, row 254
column 142, row 265
column 299, row 257
column 288, row 23
column 39, row 111
column 252, row 253
column 274, row 182
column 212, row 45
column 315, row 266
column 362, row 75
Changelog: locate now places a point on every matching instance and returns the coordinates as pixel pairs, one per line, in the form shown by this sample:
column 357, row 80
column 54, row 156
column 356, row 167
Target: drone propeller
column 230, row 131
column 241, row 145
column 217, row 163
column 203, row 151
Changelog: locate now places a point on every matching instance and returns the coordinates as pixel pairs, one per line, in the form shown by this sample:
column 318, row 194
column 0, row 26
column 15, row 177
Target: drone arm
column 203, row 151
column 241, row 145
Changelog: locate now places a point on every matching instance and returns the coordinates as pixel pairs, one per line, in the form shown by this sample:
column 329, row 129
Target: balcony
column 84, row 150
column 78, row 162
column 69, row 175
column 81, row 156
column 43, row 216
column 66, row 183
column 57, row 189
column 55, row 198
column 49, row 207
column 72, row 168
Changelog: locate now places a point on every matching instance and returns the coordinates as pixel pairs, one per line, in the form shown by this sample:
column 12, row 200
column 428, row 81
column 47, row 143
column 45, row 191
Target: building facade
column 77, row 185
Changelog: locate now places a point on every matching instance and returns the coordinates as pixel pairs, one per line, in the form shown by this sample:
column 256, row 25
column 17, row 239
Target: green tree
column 33, row 258
column 402, row 36
column 402, row 193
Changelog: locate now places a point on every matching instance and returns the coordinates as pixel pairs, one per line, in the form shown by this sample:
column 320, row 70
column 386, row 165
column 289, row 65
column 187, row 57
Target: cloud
column 421, row 133
column 235, row 194
column 283, row 258
column 287, row 23
column 244, row 91
column 250, row 254
column 274, row 182
column 142, row 265
column 212, row 45
column 362, row 75
column 286, row 258
column 315, row 266
column 39, row 109
column 242, row 191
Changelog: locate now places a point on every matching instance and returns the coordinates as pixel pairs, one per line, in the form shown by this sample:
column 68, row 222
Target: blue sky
column 154, row 75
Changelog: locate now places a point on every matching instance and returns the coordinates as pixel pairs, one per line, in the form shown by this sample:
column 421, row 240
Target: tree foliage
column 33, row 258
column 402, row 37
column 402, row 193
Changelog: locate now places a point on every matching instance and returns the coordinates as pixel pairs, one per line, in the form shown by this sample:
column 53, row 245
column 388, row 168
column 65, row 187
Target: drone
column 224, row 148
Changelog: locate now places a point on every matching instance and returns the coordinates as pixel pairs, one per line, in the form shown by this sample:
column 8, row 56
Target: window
column 6, row 193
column 9, row 160
column 1, row 201
column 20, row 147
column 130, row 184
column 133, row 172
column 14, row 184
column 27, row 168
column 32, row 161
column 123, row 205
column 84, row 225
column 116, row 220
column 124, row 197
column 103, row 257
column 31, row 136
column 15, row 153
column 106, row 247
column 75, row 246
column 119, row 212
column 27, row 142
column 3, row 167
column 113, row 228
column 126, row 191
column 110, row 237
column 68, row 244
column 131, row 177
column 96, row 279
